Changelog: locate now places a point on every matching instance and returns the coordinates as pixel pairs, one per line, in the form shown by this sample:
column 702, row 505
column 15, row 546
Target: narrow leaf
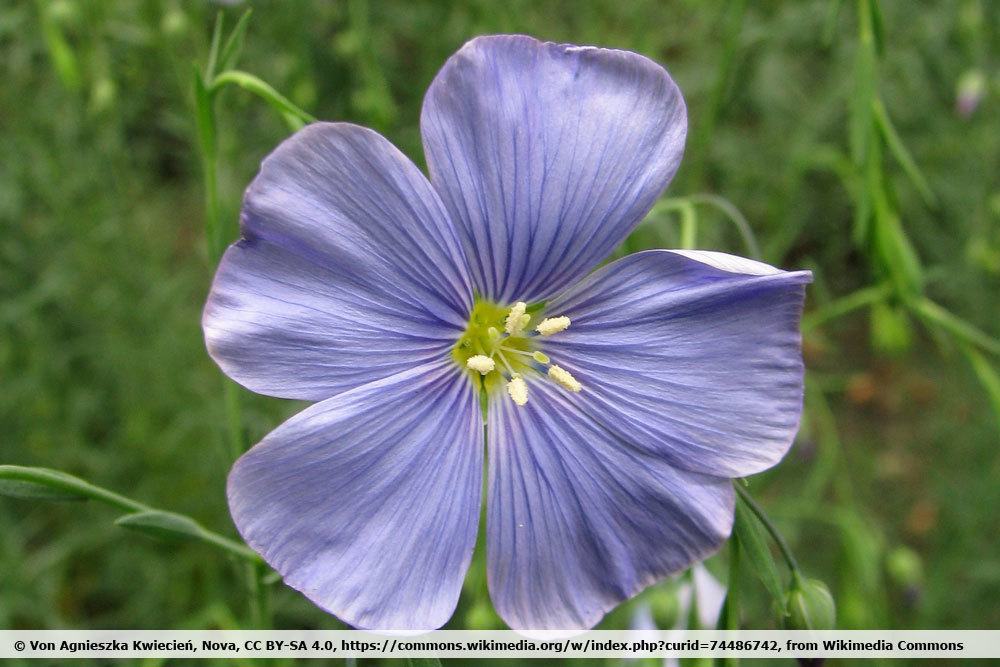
column 729, row 619
column 878, row 26
column 894, row 249
column 64, row 60
column 956, row 326
column 13, row 488
column 48, row 484
column 902, row 154
column 162, row 525
column 213, row 49
column 234, row 43
column 987, row 375
column 753, row 541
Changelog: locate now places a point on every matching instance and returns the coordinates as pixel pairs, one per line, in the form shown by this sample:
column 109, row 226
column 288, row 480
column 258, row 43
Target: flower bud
column 665, row 608
column 810, row 606
column 905, row 567
column 970, row 90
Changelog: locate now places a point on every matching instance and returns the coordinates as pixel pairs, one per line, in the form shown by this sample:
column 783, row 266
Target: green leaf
column 48, row 484
column 987, row 376
column 956, row 326
column 894, row 250
column 753, row 541
column 729, row 619
column 213, row 49
column 28, row 490
column 64, row 60
column 902, row 155
column 162, row 525
column 234, row 43
column 878, row 26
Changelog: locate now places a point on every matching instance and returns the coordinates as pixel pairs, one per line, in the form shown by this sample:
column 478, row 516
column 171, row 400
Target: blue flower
column 618, row 405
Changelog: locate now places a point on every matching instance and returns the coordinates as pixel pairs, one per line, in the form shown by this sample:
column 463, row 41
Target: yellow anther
column 540, row 357
column 552, row 325
column 481, row 363
column 563, row 377
column 517, row 320
column 518, row 390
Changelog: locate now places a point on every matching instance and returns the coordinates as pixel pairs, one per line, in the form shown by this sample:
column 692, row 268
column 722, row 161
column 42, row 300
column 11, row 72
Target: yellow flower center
column 500, row 348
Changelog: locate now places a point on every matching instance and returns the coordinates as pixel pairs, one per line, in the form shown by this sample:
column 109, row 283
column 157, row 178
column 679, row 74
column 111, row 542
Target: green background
column 890, row 493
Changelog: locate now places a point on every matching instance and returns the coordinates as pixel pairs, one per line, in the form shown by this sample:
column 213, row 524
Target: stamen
column 518, row 390
column 537, row 355
column 517, row 320
column 506, row 364
column 563, row 377
column 552, row 325
column 481, row 363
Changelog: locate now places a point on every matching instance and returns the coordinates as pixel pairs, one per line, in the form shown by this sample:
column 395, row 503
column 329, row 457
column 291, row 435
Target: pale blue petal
column 580, row 520
column 693, row 355
column 349, row 270
column 368, row 502
column 547, row 155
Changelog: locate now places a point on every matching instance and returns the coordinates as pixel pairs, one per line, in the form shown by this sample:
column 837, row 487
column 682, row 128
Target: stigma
column 501, row 345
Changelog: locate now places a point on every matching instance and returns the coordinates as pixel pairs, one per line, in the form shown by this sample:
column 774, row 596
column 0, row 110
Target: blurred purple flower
column 970, row 90
column 617, row 405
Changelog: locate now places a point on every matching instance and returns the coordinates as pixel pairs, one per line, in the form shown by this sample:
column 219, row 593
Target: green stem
column 685, row 207
column 731, row 608
column 689, row 227
column 786, row 552
column 205, row 91
column 734, row 215
column 260, row 606
column 956, row 326
column 293, row 115
column 74, row 486
column 842, row 306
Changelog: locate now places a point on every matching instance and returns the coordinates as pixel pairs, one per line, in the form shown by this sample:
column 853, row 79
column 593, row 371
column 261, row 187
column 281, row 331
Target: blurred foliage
column 859, row 140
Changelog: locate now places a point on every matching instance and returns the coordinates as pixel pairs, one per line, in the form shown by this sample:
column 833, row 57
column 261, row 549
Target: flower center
column 501, row 348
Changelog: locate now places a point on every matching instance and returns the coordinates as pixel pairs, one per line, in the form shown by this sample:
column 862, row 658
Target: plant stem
column 731, row 607
column 293, row 115
column 786, row 552
column 735, row 216
column 55, row 479
column 863, row 297
column 956, row 326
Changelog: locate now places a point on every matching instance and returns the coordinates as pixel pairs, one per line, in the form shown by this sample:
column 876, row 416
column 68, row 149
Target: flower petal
column 349, row 270
column 547, row 155
column 579, row 520
column 693, row 355
column 368, row 503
